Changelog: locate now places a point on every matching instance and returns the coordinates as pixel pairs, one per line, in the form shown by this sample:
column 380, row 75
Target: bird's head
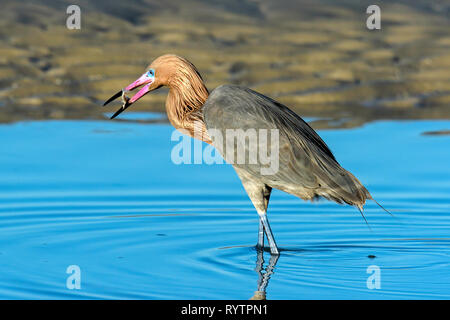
column 163, row 71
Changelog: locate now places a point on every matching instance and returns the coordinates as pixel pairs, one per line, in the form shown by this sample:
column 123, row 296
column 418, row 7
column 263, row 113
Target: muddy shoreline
column 317, row 57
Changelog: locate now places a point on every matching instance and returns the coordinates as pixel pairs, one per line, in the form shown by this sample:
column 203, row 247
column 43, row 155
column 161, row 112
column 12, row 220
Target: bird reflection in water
column 263, row 274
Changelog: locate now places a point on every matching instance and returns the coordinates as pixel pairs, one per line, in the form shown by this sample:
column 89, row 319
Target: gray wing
column 307, row 168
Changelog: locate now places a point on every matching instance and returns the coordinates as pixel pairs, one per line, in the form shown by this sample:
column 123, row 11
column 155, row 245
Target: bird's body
column 307, row 168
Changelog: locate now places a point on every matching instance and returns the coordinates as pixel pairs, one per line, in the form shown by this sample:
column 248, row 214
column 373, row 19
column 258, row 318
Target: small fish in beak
column 125, row 103
column 125, row 99
column 146, row 79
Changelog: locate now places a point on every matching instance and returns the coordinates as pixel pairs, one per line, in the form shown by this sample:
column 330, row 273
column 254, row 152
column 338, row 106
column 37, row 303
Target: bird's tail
column 348, row 189
column 364, row 195
column 344, row 187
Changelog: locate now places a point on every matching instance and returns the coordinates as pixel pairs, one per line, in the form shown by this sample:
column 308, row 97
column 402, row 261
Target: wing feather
column 307, row 167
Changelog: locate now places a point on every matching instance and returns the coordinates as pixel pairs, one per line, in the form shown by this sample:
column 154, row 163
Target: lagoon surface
column 105, row 196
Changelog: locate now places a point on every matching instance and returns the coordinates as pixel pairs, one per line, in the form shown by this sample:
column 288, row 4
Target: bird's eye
column 151, row 73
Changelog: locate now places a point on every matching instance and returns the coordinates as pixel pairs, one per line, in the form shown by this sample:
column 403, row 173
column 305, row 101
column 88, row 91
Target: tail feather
column 342, row 186
column 361, row 210
column 346, row 188
column 381, row 206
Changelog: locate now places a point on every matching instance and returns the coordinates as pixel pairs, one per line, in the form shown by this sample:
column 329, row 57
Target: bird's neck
column 184, row 106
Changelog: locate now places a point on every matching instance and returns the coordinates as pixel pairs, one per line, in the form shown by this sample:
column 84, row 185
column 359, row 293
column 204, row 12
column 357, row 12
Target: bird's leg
column 266, row 196
column 259, row 193
column 260, row 244
column 269, row 234
column 264, row 222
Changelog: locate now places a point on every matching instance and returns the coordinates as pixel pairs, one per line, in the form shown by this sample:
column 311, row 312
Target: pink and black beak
column 146, row 79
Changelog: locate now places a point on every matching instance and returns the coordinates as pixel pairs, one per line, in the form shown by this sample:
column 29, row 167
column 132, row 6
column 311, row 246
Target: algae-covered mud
column 318, row 57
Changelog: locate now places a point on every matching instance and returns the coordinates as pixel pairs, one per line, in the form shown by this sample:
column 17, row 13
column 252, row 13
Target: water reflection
column 263, row 274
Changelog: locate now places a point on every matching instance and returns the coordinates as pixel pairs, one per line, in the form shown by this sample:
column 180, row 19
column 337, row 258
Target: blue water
column 105, row 196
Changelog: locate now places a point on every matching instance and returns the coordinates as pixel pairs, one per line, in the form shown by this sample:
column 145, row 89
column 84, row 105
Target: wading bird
column 307, row 168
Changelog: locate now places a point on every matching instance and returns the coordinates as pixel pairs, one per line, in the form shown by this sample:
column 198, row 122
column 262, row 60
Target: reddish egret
column 307, row 168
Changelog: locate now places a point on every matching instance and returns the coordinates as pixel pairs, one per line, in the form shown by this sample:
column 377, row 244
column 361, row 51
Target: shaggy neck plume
column 186, row 97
